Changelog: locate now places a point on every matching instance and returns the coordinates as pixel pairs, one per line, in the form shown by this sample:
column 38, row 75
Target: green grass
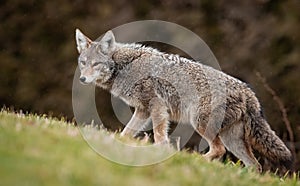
column 36, row 150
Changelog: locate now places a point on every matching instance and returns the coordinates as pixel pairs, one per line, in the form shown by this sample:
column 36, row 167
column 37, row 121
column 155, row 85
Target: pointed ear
column 107, row 42
column 82, row 41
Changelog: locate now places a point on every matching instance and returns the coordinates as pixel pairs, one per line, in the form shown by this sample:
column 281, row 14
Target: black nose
column 82, row 79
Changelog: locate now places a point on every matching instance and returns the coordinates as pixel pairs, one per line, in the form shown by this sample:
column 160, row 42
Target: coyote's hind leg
column 234, row 140
column 216, row 147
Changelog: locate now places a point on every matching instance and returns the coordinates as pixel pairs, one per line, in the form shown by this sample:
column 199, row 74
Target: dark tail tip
column 288, row 163
column 284, row 166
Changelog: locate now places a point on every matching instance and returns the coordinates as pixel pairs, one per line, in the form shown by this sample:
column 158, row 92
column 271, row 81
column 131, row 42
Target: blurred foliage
column 39, row 57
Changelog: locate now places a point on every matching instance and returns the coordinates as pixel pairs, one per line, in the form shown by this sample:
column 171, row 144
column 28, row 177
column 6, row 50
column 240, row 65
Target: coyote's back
column 165, row 87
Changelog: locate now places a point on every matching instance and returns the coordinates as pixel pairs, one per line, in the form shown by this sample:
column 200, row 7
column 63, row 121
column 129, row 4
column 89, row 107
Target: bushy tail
column 264, row 140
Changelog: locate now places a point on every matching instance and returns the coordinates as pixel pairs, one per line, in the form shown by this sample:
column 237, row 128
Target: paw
column 123, row 133
column 127, row 132
column 208, row 156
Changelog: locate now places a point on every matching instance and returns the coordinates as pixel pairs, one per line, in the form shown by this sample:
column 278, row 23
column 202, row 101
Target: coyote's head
column 95, row 58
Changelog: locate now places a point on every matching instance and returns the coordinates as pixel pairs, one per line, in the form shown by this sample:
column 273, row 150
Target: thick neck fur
column 124, row 54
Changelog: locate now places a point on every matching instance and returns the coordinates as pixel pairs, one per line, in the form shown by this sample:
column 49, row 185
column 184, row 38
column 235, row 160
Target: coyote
column 166, row 87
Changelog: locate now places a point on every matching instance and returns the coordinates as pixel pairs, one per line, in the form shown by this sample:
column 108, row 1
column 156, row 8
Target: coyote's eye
column 83, row 63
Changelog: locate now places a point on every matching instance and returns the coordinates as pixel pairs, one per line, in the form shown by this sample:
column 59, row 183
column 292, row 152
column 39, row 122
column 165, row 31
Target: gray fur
column 166, row 87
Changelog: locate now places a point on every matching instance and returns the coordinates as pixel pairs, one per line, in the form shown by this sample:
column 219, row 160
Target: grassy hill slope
column 36, row 150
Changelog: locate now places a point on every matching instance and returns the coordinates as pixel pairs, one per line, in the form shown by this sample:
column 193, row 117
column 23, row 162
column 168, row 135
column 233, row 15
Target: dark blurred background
column 38, row 55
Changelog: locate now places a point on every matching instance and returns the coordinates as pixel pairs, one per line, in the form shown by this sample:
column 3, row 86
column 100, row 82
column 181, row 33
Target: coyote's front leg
column 160, row 120
column 137, row 122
